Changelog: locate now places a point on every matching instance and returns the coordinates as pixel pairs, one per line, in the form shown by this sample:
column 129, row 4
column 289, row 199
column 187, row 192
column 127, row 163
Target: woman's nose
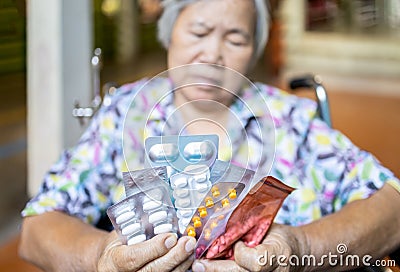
column 212, row 51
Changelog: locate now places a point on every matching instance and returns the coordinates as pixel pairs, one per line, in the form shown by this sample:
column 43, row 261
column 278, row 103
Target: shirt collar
column 248, row 105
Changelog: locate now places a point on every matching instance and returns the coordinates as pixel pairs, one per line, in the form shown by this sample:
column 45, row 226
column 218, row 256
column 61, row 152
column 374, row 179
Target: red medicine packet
column 252, row 218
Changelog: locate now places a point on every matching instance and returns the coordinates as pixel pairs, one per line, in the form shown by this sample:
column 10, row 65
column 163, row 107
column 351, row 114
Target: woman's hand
column 163, row 252
column 271, row 255
column 375, row 235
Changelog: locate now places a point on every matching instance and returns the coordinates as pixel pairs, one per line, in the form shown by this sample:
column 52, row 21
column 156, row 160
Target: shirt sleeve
column 342, row 171
column 86, row 178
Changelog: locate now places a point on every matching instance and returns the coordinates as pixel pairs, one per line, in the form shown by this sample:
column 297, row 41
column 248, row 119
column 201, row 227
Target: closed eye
column 199, row 34
column 237, row 43
column 199, row 29
column 238, row 39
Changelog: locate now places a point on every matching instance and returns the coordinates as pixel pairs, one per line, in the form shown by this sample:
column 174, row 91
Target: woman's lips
column 205, row 82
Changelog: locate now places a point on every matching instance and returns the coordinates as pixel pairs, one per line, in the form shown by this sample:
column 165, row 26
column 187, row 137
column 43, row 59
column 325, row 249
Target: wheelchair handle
column 306, row 81
column 315, row 82
column 80, row 112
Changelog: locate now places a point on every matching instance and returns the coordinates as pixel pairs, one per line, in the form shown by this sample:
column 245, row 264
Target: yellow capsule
column 202, row 211
column 215, row 191
column 225, row 203
column 207, row 234
column 209, row 202
column 232, row 194
column 191, row 232
column 196, row 222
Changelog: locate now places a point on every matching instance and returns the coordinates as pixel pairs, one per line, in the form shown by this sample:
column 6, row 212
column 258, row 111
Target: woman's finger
column 134, row 257
column 185, row 266
column 216, row 266
column 178, row 255
column 259, row 258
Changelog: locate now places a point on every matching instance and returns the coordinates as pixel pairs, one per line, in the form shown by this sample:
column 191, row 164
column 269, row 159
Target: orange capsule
column 213, row 224
column 209, row 202
column 232, row 194
column 225, row 203
column 196, row 222
column 207, row 234
column 215, row 191
column 191, row 232
column 202, row 211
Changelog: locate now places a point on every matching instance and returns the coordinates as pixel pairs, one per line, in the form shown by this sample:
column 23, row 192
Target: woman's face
column 213, row 32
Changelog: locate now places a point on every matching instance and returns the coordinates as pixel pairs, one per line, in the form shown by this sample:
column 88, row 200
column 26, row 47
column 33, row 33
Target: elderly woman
column 343, row 196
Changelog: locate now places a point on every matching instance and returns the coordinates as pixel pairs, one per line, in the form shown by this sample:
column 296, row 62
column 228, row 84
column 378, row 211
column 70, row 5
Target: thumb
column 255, row 259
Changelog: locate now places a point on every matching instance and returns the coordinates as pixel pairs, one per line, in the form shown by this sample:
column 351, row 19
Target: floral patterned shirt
column 327, row 170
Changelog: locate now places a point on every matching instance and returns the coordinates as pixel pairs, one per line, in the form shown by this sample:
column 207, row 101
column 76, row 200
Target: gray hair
column 172, row 8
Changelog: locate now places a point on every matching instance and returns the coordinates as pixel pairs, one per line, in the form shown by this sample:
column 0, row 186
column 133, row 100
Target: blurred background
column 50, row 78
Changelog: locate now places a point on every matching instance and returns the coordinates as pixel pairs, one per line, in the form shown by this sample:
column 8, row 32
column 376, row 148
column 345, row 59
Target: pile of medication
column 186, row 190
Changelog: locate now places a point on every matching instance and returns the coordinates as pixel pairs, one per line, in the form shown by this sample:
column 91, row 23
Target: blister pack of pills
column 252, row 218
column 135, row 181
column 189, row 189
column 188, row 160
column 181, row 153
column 147, row 210
column 230, row 184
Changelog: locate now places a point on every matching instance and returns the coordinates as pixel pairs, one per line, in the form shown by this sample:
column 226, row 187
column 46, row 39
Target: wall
column 364, row 61
column 59, row 38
